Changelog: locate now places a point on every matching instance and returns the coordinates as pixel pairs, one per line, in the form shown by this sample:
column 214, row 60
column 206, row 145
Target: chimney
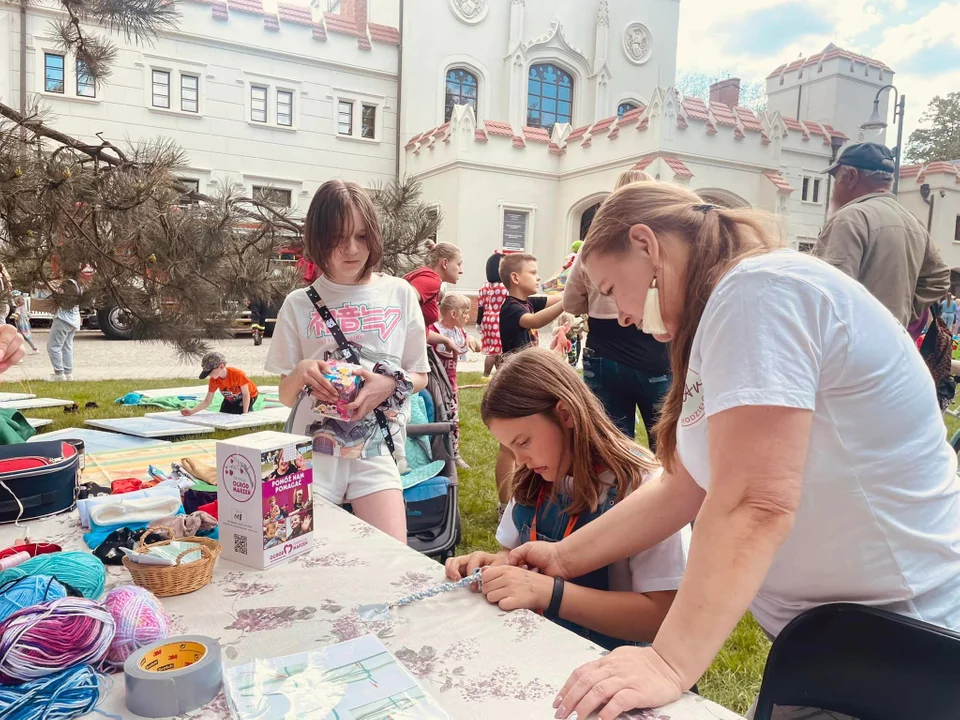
column 726, row 92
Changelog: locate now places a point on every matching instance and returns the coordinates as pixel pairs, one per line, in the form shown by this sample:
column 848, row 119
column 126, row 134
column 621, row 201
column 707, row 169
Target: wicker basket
column 168, row 580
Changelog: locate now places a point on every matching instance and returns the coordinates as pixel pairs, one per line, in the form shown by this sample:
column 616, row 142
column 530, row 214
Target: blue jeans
column 60, row 346
column 623, row 389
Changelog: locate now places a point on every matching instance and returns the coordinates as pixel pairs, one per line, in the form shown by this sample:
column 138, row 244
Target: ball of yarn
column 67, row 694
column 139, row 618
column 26, row 591
column 44, row 639
column 81, row 571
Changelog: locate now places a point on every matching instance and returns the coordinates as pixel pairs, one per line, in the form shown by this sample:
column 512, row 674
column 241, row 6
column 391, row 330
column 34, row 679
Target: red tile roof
column 536, row 134
column 682, row 122
column 631, row 116
column 319, row 33
column 363, row 42
column 644, row 163
column 738, row 133
column 677, row 166
column 797, row 126
column 295, row 14
column 815, row 129
column 577, row 133
column 937, row 168
column 834, row 132
column 777, row 179
column 480, row 136
column 614, row 133
column 248, row 6
column 644, row 123
column 339, row 24
column 494, row 127
column 556, row 149
column 601, row 125
column 412, row 141
column 384, row 33
column 586, row 143
column 695, row 108
column 219, row 11
column 748, row 119
column 910, row 170
column 723, row 114
column 441, row 129
column 270, row 22
column 711, row 128
column 830, row 52
column 764, row 140
column 518, row 142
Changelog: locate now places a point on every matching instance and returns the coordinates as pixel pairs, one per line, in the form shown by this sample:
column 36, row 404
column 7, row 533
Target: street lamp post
column 878, row 123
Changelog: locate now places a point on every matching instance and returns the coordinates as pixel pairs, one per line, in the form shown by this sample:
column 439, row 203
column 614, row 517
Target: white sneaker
column 68, row 378
column 56, row 377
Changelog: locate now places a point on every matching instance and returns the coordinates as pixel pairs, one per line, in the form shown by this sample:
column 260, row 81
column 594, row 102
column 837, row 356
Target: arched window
column 461, row 90
column 625, row 107
column 549, row 96
column 586, row 220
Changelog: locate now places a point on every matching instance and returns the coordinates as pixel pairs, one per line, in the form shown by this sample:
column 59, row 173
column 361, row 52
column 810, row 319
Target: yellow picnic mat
column 104, row 468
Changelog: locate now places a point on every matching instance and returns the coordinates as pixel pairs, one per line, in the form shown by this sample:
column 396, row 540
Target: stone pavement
column 96, row 358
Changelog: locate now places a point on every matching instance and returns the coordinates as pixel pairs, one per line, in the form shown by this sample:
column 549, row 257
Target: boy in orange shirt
column 239, row 392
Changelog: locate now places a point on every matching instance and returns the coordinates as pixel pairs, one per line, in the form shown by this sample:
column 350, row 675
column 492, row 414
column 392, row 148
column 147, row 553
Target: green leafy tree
column 939, row 139
column 753, row 94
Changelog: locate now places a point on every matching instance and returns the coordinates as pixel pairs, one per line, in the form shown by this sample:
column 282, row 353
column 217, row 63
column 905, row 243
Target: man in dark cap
column 872, row 238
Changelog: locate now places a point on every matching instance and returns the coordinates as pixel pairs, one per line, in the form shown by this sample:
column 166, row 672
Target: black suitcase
column 37, row 480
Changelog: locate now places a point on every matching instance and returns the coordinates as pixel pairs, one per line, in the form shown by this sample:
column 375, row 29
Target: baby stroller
column 433, row 511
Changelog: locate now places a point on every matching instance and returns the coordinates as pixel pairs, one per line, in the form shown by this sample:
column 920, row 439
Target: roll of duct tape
column 173, row 676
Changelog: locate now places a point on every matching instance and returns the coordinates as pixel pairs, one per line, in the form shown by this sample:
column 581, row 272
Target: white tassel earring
column 652, row 318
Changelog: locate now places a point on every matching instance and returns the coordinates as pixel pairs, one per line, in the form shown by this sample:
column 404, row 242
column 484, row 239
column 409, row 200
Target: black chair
column 863, row 662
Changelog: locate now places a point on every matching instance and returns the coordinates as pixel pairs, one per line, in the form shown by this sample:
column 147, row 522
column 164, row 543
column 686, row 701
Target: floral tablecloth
column 479, row 662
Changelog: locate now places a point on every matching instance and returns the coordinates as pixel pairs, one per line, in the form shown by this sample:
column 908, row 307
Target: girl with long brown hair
column 573, row 465
column 802, row 432
column 378, row 317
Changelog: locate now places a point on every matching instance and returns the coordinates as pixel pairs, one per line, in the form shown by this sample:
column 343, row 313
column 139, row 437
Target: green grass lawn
column 732, row 680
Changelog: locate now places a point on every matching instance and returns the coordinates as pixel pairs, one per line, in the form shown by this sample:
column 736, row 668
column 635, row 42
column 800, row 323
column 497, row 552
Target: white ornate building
column 516, row 115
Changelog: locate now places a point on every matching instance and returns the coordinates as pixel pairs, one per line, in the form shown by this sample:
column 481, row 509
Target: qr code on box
column 240, row 544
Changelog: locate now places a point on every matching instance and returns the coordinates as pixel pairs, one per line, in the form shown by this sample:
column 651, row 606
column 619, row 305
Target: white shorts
column 341, row 480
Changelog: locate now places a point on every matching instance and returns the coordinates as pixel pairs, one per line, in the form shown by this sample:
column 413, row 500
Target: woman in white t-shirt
column 806, row 440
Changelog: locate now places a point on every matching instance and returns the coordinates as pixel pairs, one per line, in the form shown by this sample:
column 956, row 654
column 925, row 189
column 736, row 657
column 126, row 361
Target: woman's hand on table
column 544, row 556
column 513, row 588
column 465, row 565
column 627, row 678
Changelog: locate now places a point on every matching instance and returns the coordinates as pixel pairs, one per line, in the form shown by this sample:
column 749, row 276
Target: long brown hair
column 532, row 382
column 717, row 238
column 330, row 219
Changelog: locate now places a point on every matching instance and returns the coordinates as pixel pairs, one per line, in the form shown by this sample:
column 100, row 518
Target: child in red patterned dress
column 490, row 298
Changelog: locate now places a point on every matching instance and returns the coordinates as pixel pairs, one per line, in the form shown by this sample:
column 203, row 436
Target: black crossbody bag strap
column 351, row 354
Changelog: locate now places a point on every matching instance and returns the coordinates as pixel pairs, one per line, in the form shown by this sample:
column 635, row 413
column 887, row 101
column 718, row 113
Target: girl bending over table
column 572, row 466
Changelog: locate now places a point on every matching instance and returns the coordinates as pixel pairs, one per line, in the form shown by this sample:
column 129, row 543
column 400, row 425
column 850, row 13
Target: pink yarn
column 44, row 639
column 140, row 620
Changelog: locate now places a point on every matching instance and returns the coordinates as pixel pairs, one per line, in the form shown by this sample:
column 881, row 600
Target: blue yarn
column 26, row 591
column 68, row 694
column 82, row 571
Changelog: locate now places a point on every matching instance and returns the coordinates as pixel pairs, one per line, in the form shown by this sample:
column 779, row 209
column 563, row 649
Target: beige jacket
column 580, row 297
column 877, row 241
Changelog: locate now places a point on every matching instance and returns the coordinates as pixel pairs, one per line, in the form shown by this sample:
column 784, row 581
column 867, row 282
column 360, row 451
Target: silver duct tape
column 173, row 676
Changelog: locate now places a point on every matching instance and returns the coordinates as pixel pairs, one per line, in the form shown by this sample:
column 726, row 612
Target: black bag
column 37, row 480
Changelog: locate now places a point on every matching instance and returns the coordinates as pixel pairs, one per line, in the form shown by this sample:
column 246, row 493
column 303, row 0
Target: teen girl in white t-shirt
column 379, row 316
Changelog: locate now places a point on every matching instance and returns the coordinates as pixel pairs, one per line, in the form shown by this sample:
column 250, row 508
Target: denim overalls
column 553, row 523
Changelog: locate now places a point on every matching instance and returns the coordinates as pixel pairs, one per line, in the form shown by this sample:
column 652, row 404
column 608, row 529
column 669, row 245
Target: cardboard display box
column 265, row 497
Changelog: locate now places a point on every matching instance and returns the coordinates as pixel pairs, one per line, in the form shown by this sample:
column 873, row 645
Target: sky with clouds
column 919, row 39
